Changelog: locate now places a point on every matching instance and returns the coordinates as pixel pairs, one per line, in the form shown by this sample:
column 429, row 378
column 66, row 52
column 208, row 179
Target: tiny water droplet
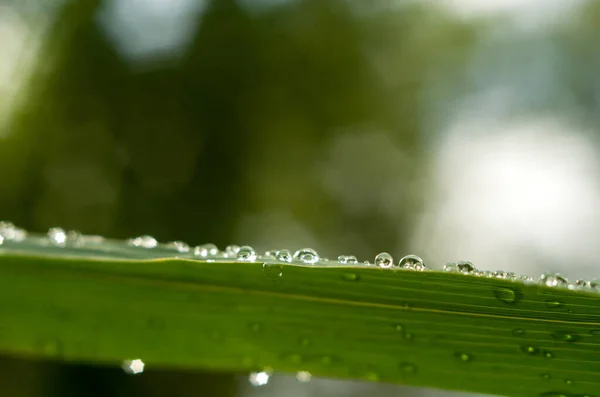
column 546, row 376
column 553, row 280
column 231, row 251
column 303, row 376
column 384, row 260
column 347, row 260
column 246, row 254
column 9, row 232
column 465, row 267
column 564, row 336
column 398, row 327
column 408, row 368
column 412, row 262
column 306, row 255
column 143, row 242
column 553, row 303
column 57, row 236
column 273, row 271
column 178, row 246
column 409, row 336
column 548, row 354
column 284, row 256
column 507, row 295
column 569, row 382
column 133, row 367
column 350, row 276
column 518, row 332
column 463, row 356
column 259, row 378
column 206, row 250
column 531, row 350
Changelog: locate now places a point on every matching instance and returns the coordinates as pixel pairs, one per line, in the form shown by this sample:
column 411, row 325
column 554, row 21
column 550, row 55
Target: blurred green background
column 457, row 129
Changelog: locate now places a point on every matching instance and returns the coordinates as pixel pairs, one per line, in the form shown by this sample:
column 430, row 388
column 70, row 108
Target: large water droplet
column 553, row 280
column 347, row 259
column 143, row 242
column 273, row 271
column 306, row 255
column 206, row 250
column 246, row 254
column 412, row 262
column 507, row 295
column 384, row 260
column 133, row 367
column 178, row 246
column 564, row 336
column 57, row 236
column 303, row 376
column 284, row 256
column 259, row 378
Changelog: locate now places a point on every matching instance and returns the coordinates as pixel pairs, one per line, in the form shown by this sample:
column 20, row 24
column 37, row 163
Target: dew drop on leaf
column 569, row 382
column 553, row 280
column 530, row 350
column 398, row 327
column 507, row 295
column 246, row 254
column 384, row 260
column 548, row 354
column 283, row 256
column 546, row 376
column 463, row 356
column 306, row 255
column 412, row 262
column 143, row 242
column 273, row 271
column 564, row 336
column 206, row 250
column 347, row 260
column 58, row 236
column 133, row 367
column 231, row 251
column 350, row 276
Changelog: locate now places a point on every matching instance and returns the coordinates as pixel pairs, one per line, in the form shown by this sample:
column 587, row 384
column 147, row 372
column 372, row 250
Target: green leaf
column 102, row 301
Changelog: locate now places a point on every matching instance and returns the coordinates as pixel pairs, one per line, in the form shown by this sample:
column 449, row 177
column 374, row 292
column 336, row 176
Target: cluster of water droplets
column 273, row 259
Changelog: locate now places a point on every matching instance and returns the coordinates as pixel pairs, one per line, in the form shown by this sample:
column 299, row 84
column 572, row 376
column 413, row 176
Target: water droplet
column 284, row 256
column 303, row 376
column 408, row 368
column 463, row 356
column 178, row 246
column 350, row 276
column 398, row 327
column 246, row 254
column 10, row 232
column 569, row 382
column 548, row 354
column 546, row 376
column 507, row 295
column 57, row 236
column 465, row 267
column 531, row 350
column 409, row 336
column 206, row 250
column 553, row 280
column 518, row 332
column 307, row 255
column 412, row 262
column 273, row 271
column 270, row 253
column 553, row 303
column 143, row 242
column 384, row 260
column 259, row 378
column 231, row 251
column 133, row 367
column 347, row 260
column 564, row 336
